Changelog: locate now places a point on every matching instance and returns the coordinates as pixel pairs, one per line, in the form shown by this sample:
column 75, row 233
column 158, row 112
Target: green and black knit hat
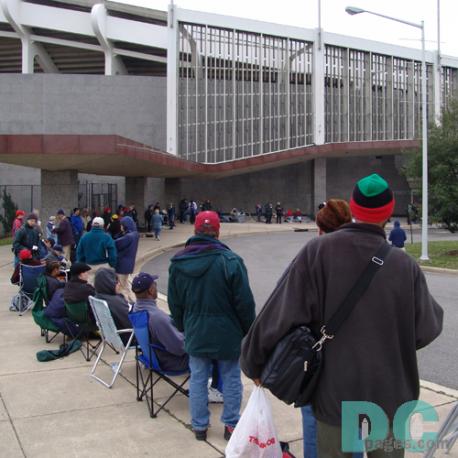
column 372, row 200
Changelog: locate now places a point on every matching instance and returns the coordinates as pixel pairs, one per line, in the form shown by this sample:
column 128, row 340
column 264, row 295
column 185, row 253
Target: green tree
column 9, row 212
column 442, row 169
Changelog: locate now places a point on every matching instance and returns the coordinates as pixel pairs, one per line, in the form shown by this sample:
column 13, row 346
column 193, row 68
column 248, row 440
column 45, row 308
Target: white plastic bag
column 255, row 435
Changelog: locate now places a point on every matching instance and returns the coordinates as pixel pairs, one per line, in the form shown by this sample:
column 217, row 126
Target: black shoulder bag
column 292, row 370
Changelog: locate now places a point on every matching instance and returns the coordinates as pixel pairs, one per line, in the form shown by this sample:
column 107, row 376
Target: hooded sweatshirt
column 105, row 288
column 397, row 235
column 127, row 246
column 210, row 298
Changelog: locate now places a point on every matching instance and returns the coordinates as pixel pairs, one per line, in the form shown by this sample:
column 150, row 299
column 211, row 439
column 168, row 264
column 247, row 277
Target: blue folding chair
column 145, row 355
column 28, row 282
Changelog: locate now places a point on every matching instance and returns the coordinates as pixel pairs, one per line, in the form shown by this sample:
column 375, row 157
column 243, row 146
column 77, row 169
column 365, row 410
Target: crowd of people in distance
column 213, row 330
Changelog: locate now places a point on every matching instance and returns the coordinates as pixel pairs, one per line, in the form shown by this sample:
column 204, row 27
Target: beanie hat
column 25, row 254
column 20, row 213
column 32, row 216
column 333, row 214
column 61, row 211
column 372, row 200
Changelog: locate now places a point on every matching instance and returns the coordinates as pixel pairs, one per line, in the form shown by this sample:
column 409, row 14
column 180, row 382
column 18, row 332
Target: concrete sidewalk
column 55, row 408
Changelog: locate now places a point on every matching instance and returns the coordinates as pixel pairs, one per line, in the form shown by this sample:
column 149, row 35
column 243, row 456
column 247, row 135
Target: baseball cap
column 98, row 221
column 207, row 220
column 20, row 213
column 58, row 248
column 143, row 281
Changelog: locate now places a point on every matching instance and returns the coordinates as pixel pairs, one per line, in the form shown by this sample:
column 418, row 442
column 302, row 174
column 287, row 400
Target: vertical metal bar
column 288, row 95
column 206, row 94
column 225, row 61
column 252, row 54
column 234, row 98
column 261, row 93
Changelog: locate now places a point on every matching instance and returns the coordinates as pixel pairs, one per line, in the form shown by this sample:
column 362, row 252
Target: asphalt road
column 267, row 255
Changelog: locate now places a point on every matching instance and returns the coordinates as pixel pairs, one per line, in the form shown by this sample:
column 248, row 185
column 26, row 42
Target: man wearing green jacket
column 211, row 302
column 97, row 248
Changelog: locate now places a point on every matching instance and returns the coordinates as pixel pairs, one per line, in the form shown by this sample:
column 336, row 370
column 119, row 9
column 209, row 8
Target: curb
column 439, row 389
column 439, row 270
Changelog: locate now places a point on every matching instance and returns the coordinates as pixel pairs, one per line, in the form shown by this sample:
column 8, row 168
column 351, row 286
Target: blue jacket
column 397, row 235
column 96, row 247
column 127, row 246
column 157, row 220
column 77, row 224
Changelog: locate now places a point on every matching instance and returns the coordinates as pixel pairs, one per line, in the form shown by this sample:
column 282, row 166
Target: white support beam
column 113, row 63
column 318, row 93
column 11, row 12
column 172, row 81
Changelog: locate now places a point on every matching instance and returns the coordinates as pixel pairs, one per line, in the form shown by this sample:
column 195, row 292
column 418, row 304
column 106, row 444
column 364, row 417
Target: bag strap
column 329, row 330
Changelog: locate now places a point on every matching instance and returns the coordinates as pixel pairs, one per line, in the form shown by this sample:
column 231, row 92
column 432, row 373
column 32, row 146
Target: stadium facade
column 182, row 103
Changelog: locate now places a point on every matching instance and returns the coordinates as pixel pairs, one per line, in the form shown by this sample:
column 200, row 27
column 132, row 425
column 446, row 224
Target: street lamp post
column 352, row 10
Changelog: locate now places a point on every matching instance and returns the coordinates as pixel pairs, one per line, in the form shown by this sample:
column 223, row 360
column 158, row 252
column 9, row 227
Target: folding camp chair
column 147, row 358
column 46, row 325
column 28, row 281
column 110, row 336
column 79, row 313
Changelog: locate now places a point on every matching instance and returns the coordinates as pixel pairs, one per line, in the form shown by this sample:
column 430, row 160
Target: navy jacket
column 397, row 235
column 64, row 233
column 127, row 246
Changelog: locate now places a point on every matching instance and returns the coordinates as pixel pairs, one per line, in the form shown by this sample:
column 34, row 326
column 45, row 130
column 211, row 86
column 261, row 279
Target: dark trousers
column 329, row 442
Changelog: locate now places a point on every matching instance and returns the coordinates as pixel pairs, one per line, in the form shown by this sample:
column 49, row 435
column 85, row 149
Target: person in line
column 127, row 247
column 258, row 211
column 132, row 212
column 397, row 304
column 27, row 238
column 64, row 233
column 156, row 223
column 49, row 228
column 333, row 214
column 53, row 279
column 25, row 257
column 18, row 222
column 398, row 236
column 97, row 248
column 108, row 288
column 171, row 215
column 77, row 225
column 114, row 227
column 278, row 212
column 268, row 212
column 161, row 328
column 211, row 301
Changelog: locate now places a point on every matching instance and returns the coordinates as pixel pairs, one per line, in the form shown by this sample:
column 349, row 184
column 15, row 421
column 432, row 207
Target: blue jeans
column 157, row 231
column 309, row 431
column 198, row 391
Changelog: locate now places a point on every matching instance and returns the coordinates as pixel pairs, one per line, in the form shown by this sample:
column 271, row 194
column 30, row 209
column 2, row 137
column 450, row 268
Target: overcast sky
column 303, row 13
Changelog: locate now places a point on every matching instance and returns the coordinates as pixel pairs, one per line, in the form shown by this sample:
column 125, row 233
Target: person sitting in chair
column 53, row 282
column 107, row 288
column 77, row 289
column 162, row 330
column 26, row 258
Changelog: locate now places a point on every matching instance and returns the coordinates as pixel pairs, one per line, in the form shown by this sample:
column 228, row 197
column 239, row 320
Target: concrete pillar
column 58, row 190
column 143, row 191
column 319, row 183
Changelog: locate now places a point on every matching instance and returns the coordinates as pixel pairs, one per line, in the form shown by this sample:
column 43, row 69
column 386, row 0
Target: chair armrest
column 121, row 331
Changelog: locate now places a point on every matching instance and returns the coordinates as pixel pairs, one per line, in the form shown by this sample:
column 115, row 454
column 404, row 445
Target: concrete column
column 58, row 190
column 319, row 183
column 143, row 191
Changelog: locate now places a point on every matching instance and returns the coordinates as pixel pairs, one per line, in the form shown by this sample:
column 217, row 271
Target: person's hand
column 257, row 381
column 34, row 248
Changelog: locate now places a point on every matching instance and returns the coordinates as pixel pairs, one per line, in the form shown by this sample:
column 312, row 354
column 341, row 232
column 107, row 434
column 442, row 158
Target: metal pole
column 319, row 25
column 424, row 221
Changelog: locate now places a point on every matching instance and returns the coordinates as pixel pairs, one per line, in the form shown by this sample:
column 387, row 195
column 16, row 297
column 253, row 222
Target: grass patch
column 6, row 241
column 442, row 254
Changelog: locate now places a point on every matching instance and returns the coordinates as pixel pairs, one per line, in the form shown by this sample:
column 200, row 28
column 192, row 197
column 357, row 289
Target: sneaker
column 228, row 430
column 201, row 435
column 215, row 396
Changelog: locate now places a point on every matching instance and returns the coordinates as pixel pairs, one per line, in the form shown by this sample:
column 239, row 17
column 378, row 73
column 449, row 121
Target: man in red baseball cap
column 211, row 302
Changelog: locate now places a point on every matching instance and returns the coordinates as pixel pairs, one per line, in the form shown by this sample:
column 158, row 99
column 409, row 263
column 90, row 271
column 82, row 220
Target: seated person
column 56, row 253
column 56, row 312
column 107, row 288
column 77, row 289
column 26, row 258
column 52, row 275
column 161, row 328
